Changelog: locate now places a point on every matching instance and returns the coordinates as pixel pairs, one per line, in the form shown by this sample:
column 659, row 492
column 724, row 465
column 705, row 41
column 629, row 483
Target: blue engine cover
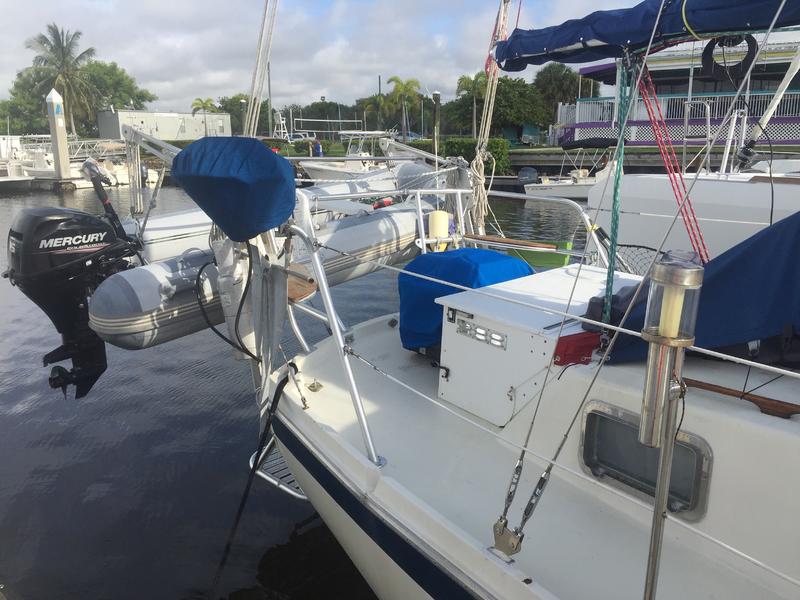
column 241, row 184
column 420, row 316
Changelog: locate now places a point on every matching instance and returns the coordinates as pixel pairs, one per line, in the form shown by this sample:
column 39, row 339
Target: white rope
column 480, row 207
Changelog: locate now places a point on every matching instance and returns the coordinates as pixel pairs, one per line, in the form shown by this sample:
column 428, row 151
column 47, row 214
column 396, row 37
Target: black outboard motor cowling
column 57, row 257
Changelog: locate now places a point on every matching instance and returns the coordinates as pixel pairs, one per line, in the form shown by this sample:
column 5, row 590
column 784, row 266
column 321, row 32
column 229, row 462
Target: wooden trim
column 496, row 239
column 768, row 406
column 778, row 179
column 300, row 288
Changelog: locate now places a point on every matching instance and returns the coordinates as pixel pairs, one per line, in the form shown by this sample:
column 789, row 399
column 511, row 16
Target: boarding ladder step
column 273, row 468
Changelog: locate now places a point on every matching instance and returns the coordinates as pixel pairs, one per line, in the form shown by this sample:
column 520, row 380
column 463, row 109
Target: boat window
column 611, row 451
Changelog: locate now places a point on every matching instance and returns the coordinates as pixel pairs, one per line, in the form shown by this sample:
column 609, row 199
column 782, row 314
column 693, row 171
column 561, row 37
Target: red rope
column 671, row 164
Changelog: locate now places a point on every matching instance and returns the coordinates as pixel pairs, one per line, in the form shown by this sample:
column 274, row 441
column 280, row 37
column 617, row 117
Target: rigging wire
column 539, row 490
column 519, row 466
column 566, row 469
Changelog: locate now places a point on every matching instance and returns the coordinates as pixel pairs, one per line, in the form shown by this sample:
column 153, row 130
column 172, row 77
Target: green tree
column 25, row 108
column 378, row 105
column 58, row 60
column 517, row 103
column 112, row 86
column 236, row 107
column 403, row 93
column 474, row 88
column 205, row 106
column 558, row 83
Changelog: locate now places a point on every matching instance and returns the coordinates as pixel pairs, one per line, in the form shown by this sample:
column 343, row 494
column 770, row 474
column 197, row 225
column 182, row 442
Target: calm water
column 130, row 492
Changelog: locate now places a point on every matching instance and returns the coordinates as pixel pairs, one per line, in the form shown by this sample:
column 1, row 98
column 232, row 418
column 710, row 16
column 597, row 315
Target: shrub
column 498, row 147
column 425, row 145
column 301, row 147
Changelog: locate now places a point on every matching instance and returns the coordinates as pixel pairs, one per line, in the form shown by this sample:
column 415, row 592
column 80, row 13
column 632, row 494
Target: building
column 692, row 103
column 171, row 126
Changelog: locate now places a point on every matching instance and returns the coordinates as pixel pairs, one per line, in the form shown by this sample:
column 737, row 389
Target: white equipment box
column 495, row 353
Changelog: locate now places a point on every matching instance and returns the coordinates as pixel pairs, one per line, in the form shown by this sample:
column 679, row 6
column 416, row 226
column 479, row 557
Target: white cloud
column 182, row 49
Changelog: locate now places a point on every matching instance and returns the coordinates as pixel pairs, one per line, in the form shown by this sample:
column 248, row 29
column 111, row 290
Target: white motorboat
column 589, row 162
column 574, row 187
column 39, row 164
column 358, row 161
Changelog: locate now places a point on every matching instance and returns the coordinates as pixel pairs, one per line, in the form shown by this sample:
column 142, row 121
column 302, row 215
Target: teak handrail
column 768, row 406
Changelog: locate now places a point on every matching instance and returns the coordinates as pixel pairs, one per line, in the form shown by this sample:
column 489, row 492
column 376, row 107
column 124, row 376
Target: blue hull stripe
column 427, row 574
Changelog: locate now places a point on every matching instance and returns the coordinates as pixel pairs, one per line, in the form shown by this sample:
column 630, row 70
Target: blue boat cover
column 420, row 316
column 750, row 292
column 241, row 184
column 606, row 33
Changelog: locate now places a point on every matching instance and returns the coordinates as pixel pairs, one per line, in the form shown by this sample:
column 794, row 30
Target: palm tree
column 402, row 92
column 559, row 83
column 60, row 64
column 475, row 87
column 206, row 106
column 381, row 105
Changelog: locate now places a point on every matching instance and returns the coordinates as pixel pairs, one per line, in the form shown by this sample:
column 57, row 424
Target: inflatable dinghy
column 146, row 306
column 155, row 303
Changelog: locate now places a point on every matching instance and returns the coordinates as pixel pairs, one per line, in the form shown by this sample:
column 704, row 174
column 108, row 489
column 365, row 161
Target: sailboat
column 499, row 438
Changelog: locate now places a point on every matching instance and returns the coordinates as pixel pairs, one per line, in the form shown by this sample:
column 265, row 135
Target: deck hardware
column 445, row 370
column 672, row 303
column 314, row 386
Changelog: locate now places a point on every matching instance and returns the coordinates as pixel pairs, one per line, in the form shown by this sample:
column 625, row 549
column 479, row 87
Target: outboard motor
column 57, row 258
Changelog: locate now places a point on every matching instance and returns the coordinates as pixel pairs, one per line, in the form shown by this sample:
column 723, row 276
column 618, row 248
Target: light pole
column 243, row 105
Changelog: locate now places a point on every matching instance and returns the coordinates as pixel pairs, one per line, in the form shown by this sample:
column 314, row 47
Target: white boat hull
column 386, row 578
column 335, row 171
column 729, row 208
column 569, row 190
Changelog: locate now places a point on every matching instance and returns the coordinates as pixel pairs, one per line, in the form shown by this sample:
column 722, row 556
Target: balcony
column 594, row 117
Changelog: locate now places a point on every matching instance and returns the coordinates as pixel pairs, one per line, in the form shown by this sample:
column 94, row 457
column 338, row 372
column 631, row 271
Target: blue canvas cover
column 605, row 33
column 241, row 184
column 420, row 316
column 751, row 292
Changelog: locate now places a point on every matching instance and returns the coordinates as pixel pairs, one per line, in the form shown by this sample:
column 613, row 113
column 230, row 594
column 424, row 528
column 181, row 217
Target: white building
column 172, row 126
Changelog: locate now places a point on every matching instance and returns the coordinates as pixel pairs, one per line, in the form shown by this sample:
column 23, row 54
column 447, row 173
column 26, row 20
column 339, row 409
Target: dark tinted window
column 611, row 448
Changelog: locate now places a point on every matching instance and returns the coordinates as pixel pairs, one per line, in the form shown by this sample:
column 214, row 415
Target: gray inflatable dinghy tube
column 155, row 303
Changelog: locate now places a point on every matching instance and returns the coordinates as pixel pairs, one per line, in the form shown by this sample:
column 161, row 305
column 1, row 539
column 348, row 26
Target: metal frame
column 336, row 331
column 697, row 443
column 687, row 109
column 269, row 477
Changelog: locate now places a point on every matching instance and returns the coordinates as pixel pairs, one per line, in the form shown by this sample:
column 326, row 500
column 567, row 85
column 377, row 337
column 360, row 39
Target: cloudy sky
column 182, row 49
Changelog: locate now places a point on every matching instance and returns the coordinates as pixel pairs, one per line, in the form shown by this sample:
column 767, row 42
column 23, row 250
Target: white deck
column 446, row 478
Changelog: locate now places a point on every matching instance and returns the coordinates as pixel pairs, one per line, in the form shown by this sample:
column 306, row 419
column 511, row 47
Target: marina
column 259, row 360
